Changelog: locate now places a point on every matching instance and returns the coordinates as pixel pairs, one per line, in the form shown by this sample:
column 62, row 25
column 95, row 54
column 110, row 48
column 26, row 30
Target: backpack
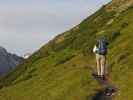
column 102, row 46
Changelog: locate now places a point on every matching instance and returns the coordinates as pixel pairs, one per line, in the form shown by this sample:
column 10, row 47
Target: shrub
column 124, row 25
column 114, row 35
column 62, row 61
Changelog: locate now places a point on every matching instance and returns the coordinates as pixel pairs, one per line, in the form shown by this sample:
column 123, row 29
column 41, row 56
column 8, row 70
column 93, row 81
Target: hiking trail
column 107, row 91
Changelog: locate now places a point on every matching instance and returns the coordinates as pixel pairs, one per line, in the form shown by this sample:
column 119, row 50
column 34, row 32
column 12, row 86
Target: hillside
column 61, row 70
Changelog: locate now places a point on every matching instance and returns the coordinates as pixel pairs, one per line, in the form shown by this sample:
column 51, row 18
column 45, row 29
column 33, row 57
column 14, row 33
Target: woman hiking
column 100, row 49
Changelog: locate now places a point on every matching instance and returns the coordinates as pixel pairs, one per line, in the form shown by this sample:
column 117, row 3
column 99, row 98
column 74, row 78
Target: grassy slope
column 61, row 70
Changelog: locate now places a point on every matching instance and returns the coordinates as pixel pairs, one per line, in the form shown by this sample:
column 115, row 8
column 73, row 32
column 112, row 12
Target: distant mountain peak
column 27, row 55
column 8, row 61
column 2, row 49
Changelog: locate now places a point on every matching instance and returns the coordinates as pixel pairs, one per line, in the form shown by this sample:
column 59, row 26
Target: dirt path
column 107, row 92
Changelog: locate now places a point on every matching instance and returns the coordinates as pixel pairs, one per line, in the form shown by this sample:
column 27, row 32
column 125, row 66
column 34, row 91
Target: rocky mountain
column 62, row 69
column 27, row 55
column 8, row 61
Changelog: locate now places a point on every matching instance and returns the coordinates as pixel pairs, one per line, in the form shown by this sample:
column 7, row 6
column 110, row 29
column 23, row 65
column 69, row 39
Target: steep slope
column 8, row 61
column 119, row 5
column 61, row 70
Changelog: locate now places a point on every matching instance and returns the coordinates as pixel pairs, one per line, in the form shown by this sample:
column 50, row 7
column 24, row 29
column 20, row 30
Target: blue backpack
column 102, row 46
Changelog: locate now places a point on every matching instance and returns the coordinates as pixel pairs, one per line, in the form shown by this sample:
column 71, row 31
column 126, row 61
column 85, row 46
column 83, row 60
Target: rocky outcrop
column 119, row 5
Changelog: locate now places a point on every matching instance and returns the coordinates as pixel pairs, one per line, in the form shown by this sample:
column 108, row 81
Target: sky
column 26, row 25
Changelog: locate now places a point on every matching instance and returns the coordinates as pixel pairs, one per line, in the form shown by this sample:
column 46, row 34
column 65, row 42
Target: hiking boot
column 96, row 75
column 103, row 77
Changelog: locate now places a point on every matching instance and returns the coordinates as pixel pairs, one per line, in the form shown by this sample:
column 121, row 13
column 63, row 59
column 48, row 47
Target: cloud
column 27, row 21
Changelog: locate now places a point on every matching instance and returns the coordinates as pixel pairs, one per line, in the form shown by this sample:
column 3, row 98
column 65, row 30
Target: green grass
column 61, row 70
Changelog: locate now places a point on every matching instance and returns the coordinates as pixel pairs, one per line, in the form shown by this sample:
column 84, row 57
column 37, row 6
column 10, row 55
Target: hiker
column 100, row 49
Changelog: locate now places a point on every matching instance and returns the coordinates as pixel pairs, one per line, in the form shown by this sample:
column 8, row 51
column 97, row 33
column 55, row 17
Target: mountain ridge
column 62, row 69
column 119, row 5
column 8, row 61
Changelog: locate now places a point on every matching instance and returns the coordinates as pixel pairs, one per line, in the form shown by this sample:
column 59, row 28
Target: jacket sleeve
column 95, row 49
